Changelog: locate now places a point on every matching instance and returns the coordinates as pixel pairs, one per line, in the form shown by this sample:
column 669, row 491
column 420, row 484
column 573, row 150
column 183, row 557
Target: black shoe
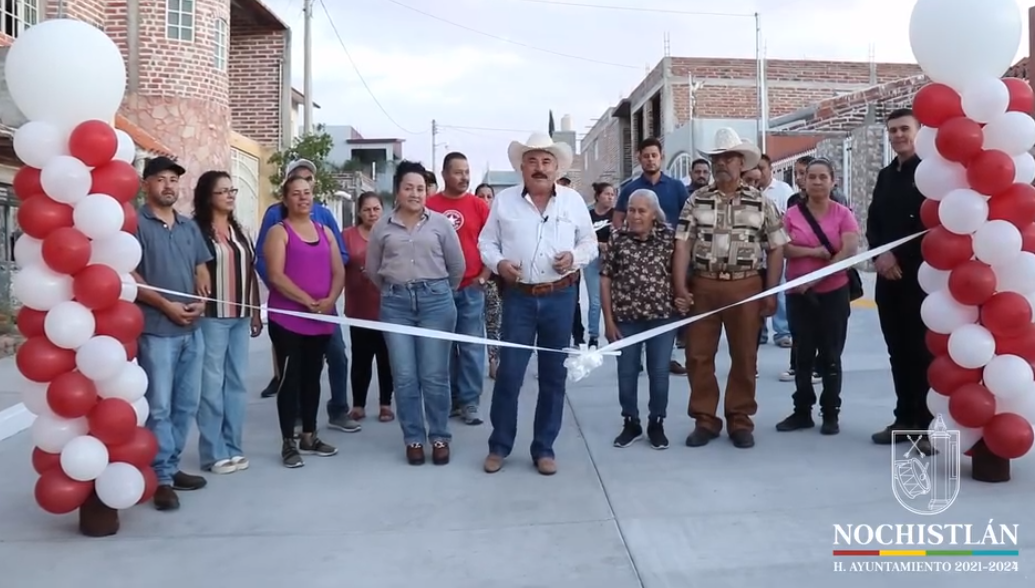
column 742, row 439
column 656, row 433
column 631, row 431
column 314, row 446
column 830, row 426
column 884, row 436
column 289, row 454
column 593, row 342
column 700, row 437
column 796, row 422
column 183, row 481
column 271, row 389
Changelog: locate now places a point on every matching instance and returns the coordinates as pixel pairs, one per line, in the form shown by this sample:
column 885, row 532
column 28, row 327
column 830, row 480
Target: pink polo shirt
column 837, row 221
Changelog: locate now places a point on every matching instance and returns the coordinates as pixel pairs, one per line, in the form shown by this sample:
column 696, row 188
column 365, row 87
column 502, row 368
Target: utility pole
column 308, row 66
column 763, row 107
column 434, row 146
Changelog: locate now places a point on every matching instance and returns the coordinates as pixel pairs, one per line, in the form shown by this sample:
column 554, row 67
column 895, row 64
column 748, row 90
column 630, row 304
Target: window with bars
column 681, row 166
column 19, row 15
column 221, row 44
column 179, row 20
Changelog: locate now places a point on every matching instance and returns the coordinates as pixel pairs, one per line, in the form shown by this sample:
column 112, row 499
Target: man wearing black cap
column 171, row 348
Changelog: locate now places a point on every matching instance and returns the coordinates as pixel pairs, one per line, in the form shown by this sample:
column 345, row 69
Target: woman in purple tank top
column 306, row 275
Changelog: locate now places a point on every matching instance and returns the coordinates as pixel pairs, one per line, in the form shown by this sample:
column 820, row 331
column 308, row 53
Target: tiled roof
column 780, row 147
column 1019, row 70
column 142, row 138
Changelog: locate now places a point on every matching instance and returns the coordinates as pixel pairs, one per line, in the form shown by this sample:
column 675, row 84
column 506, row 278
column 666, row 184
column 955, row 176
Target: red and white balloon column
column 74, row 258
column 976, row 172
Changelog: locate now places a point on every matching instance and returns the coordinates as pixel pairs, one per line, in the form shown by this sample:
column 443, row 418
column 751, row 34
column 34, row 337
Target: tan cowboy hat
column 541, row 142
column 727, row 140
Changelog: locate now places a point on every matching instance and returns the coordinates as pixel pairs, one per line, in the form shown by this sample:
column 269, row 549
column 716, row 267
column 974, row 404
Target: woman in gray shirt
column 414, row 257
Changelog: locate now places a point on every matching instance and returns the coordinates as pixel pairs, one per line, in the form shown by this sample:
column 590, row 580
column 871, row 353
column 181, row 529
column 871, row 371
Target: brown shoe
column 547, row 466
column 440, row 453
column 166, row 498
column 676, row 368
column 493, row 464
column 415, row 454
column 186, row 482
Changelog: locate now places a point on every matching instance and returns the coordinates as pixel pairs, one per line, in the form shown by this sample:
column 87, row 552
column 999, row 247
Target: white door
column 245, row 170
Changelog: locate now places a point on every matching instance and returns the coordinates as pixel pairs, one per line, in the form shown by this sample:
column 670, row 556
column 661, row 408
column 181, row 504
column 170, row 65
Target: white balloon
column 66, row 179
column 1016, row 276
column 101, row 358
column 69, row 325
column 52, row 433
column 143, row 410
column 84, row 458
column 1022, row 404
column 963, row 211
column 37, row 142
column 1008, row 376
column 127, row 150
column 958, row 42
column 130, row 384
column 935, row 177
column 34, row 397
column 997, row 242
column 924, row 143
column 942, row 314
column 120, row 486
column 28, row 251
column 120, row 252
column 971, row 346
column 98, row 216
column 40, row 288
column 1024, row 166
column 66, row 71
column 985, row 99
column 129, row 288
column 1011, row 132
column 968, row 437
column 937, row 403
column 932, row 280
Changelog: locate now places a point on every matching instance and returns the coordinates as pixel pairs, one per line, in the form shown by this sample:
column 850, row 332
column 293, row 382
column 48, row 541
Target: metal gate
column 245, row 169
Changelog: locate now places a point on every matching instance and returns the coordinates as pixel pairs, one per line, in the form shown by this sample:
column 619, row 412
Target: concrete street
column 714, row 517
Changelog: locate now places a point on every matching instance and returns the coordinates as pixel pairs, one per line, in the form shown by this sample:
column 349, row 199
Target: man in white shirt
column 538, row 236
column 778, row 192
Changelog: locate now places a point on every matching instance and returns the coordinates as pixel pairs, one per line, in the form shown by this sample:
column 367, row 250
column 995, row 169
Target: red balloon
column 140, row 450
column 991, row 172
column 944, row 250
column 937, row 343
column 1009, row 435
column 929, row 213
column 43, row 462
column 1015, row 205
column 946, row 376
column 130, row 214
column 58, row 494
column 1021, row 97
column 936, row 103
column 97, row 287
column 959, row 139
column 131, row 350
column 66, row 250
column 93, row 142
column 113, row 421
column 972, row 282
column 30, row 322
column 124, row 321
column 1021, row 345
column 72, row 395
column 972, row 405
column 1028, row 238
column 40, row 216
column 27, row 182
column 1007, row 314
column 41, row 361
column 117, row 179
column 150, row 484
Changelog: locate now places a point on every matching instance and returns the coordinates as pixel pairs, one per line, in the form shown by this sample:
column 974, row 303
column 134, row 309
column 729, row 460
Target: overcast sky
column 503, row 64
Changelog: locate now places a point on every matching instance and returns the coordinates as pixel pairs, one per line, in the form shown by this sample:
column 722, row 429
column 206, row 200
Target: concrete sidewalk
column 713, row 517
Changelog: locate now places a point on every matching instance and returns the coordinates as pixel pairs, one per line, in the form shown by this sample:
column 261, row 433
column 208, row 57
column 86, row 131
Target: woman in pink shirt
column 821, row 232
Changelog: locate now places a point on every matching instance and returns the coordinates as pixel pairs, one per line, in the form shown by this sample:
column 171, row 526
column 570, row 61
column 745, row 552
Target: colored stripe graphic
column 927, row 553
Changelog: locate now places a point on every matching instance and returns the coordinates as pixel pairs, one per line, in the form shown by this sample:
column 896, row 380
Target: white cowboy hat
column 727, row 140
column 541, row 142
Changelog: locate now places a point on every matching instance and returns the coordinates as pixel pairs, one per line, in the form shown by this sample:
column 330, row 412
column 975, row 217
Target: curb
column 14, row 420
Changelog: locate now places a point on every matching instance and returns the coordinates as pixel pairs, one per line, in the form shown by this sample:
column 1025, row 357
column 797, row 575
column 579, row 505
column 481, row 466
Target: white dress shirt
column 779, row 192
column 517, row 232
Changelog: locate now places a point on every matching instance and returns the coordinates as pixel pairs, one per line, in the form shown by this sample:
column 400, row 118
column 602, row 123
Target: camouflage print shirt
column 730, row 233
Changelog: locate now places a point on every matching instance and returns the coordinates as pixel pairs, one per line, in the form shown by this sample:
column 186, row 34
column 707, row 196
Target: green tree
column 315, row 147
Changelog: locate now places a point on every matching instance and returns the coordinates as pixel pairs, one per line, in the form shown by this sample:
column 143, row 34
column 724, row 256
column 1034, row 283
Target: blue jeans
column 338, row 375
column 223, row 394
column 531, row 320
column 467, row 360
column 659, row 353
column 173, row 368
column 420, row 365
column 781, row 327
column 591, row 277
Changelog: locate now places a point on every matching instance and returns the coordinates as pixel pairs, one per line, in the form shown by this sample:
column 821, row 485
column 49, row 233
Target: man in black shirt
column 895, row 213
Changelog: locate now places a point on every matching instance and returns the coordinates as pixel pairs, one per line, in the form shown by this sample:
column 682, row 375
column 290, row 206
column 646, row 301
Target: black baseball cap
column 160, row 164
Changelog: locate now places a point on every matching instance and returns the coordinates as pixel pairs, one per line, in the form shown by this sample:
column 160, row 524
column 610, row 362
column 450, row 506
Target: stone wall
column 866, row 160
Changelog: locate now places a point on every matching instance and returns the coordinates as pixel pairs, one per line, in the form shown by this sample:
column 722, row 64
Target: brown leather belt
column 725, row 276
column 548, row 287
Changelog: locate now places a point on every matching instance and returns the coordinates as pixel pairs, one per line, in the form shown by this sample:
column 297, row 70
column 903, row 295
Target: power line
column 359, row 74
column 505, row 40
column 639, row 9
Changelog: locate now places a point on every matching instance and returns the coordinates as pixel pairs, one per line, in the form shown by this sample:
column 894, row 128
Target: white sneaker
column 223, row 466
column 240, row 462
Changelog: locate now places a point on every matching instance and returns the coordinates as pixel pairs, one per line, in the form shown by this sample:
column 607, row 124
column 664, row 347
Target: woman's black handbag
column 855, row 285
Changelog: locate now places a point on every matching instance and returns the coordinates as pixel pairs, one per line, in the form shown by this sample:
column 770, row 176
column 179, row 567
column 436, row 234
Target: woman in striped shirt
column 226, row 325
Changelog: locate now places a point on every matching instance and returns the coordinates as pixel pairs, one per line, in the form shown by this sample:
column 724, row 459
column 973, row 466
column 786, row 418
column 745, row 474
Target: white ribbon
column 583, row 361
